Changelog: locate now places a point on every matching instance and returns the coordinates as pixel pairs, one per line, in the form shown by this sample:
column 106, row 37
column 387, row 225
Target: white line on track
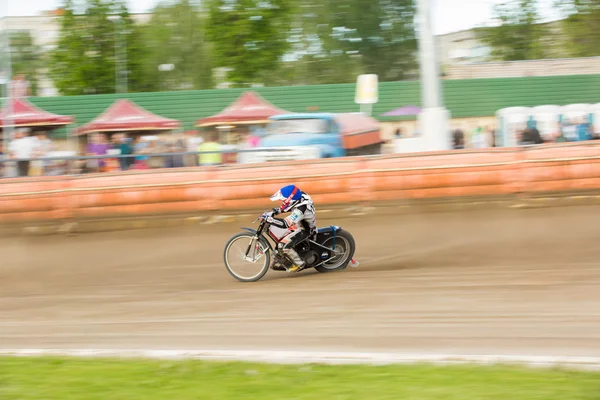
column 438, row 317
column 304, row 357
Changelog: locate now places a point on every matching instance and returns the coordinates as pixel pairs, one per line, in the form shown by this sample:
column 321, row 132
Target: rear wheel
column 248, row 268
column 344, row 246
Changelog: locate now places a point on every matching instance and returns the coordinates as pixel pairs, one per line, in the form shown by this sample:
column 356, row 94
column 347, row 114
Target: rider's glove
column 267, row 216
column 275, row 211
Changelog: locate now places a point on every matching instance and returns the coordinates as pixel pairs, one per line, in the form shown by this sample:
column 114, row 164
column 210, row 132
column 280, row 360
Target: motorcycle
column 328, row 249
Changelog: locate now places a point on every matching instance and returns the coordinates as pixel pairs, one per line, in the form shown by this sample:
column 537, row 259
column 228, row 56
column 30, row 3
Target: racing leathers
column 302, row 221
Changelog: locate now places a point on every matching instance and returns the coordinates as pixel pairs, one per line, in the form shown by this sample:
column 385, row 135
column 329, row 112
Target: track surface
column 497, row 282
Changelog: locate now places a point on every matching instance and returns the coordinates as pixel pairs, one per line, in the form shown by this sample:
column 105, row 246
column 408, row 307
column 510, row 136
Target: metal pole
column 116, row 59
column 125, row 70
column 7, row 121
column 430, row 78
column 120, row 62
column 433, row 119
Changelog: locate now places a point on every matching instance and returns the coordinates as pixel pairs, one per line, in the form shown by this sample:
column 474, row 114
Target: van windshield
column 301, row 125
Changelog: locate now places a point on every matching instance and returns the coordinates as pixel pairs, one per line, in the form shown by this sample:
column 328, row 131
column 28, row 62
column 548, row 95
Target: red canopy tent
column 23, row 114
column 248, row 109
column 124, row 115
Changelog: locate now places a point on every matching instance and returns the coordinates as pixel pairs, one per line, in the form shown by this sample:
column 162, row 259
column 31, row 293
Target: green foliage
column 69, row 51
column 26, row 58
column 334, row 41
column 132, row 49
column 274, row 42
column 520, row 35
column 85, row 59
column 581, row 27
column 313, row 57
column 380, row 32
column 175, row 35
column 249, row 37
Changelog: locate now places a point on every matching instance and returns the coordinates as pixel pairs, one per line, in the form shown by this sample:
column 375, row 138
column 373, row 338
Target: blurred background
column 68, row 47
column 119, row 115
column 517, row 72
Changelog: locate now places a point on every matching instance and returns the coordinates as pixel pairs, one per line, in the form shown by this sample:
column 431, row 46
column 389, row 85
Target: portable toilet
column 510, row 121
column 546, row 119
column 596, row 118
column 575, row 120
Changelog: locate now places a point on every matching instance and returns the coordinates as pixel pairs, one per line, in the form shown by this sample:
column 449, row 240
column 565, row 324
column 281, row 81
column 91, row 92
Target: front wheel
column 247, row 257
column 344, row 246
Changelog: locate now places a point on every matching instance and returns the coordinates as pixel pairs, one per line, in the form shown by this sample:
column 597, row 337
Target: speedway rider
column 302, row 221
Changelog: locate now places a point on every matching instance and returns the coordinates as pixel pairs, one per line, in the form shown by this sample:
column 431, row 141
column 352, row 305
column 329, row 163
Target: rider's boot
column 298, row 262
column 275, row 265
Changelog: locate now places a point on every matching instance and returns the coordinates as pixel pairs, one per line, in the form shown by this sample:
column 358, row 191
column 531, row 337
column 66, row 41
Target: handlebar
column 260, row 218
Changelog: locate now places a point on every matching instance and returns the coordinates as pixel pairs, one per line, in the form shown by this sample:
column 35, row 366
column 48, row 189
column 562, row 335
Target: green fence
column 464, row 98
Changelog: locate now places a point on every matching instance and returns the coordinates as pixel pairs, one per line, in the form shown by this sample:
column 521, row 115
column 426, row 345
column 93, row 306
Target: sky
column 448, row 15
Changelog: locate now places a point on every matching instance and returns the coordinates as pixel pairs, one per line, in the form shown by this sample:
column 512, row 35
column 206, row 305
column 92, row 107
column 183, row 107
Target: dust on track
column 502, row 282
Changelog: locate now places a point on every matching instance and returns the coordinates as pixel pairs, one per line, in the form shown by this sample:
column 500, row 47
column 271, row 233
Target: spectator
column 2, row 157
column 125, row 148
column 140, row 146
column 192, row 143
column 212, row 158
column 536, row 136
column 44, row 149
column 531, row 136
column 594, row 133
column 458, row 139
column 23, row 148
column 569, row 130
column 525, row 138
column 479, row 138
column 252, row 141
column 98, row 146
column 491, row 136
column 398, row 133
column 179, row 147
column 155, row 147
column 176, row 160
column 584, row 130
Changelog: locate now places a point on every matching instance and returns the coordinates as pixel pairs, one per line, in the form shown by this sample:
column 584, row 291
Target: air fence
column 569, row 169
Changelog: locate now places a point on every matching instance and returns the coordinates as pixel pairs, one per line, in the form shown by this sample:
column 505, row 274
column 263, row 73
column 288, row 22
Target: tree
column 581, row 27
column 311, row 58
column 381, row 32
column 334, row 41
column 175, row 35
column 25, row 58
column 249, row 37
column 520, row 35
column 69, row 52
column 85, row 59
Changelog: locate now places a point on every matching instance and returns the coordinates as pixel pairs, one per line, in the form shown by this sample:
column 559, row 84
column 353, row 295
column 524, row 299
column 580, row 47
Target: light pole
column 434, row 118
column 7, row 93
column 119, row 70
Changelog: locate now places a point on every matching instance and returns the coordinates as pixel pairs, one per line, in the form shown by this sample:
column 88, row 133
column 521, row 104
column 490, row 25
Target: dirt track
column 501, row 282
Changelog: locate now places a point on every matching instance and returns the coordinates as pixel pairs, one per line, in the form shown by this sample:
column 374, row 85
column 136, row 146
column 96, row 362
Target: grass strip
column 102, row 379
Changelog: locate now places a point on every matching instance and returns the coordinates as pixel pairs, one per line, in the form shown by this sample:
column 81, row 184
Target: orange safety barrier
column 329, row 181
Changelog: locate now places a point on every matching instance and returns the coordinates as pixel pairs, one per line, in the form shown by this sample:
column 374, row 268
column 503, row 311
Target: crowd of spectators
column 478, row 137
column 566, row 131
column 28, row 153
column 149, row 152
column 122, row 151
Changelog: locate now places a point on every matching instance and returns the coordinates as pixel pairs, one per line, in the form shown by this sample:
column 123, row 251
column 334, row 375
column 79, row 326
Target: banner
column 366, row 89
